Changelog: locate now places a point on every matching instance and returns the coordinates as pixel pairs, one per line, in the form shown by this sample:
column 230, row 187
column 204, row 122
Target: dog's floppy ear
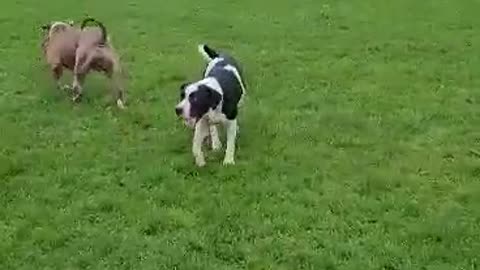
column 45, row 27
column 209, row 90
column 184, row 85
column 213, row 96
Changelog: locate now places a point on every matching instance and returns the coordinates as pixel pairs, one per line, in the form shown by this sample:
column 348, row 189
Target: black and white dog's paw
column 200, row 161
column 228, row 161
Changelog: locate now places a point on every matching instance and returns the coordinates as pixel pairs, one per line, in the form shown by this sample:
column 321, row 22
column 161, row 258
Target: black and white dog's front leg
column 231, row 127
column 216, row 143
column 200, row 133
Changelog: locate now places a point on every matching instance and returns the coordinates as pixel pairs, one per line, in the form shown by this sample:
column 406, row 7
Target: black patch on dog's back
column 231, row 87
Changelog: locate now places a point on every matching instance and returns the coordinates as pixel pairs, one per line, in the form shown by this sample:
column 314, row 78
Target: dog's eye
column 192, row 97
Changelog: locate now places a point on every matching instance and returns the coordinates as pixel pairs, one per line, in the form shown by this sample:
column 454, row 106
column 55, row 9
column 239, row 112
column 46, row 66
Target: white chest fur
column 215, row 117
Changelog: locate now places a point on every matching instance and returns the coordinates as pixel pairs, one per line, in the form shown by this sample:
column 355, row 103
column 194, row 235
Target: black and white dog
column 213, row 100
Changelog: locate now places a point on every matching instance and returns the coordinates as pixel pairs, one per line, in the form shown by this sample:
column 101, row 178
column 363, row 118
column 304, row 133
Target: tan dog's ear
column 45, row 27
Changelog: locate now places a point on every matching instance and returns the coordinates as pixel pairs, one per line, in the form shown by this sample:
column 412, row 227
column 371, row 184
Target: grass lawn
column 359, row 145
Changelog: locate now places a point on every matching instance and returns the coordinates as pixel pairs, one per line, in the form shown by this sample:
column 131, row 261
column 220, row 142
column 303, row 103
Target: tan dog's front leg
column 77, row 86
column 82, row 66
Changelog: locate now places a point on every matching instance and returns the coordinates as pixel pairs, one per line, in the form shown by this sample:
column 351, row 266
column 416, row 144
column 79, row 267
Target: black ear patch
column 182, row 90
column 214, row 96
column 202, row 100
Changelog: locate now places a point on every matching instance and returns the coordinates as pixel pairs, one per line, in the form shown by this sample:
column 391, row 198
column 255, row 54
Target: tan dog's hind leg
column 114, row 73
column 118, row 91
column 56, row 69
column 57, row 72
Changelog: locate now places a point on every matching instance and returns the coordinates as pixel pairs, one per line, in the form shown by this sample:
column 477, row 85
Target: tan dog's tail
column 100, row 25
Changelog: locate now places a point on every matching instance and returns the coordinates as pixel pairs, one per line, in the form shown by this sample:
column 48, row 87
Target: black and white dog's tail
column 208, row 53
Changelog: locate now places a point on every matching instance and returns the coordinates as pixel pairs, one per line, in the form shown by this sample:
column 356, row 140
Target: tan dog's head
column 50, row 29
column 55, row 27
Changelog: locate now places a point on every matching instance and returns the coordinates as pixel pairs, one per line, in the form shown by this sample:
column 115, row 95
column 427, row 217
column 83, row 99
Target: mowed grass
column 359, row 144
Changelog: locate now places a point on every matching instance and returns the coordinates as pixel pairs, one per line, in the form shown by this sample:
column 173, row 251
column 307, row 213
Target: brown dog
column 82, row 50
column 59, row 45
column 95, row 52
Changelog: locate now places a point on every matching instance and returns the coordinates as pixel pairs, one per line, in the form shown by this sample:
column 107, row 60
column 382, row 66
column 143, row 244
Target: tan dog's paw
column 77, row 98
column 66, row 87
column 63, row 87
column 120, row 104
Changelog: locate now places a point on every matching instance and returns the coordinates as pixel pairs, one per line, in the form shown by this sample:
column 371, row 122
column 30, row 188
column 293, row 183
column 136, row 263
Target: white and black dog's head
column 197, row 99
column 219, row 91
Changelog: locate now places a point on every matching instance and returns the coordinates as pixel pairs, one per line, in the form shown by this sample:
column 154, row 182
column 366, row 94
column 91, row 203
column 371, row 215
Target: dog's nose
column 178, row 111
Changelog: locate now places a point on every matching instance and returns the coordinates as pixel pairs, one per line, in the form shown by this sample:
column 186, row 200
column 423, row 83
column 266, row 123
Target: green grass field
column 359, row 144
